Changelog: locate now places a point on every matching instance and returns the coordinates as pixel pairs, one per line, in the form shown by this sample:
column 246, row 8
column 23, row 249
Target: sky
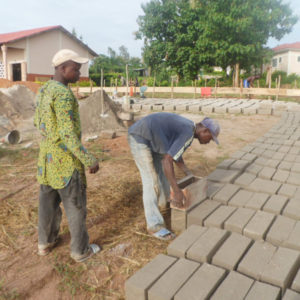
column 101, row 23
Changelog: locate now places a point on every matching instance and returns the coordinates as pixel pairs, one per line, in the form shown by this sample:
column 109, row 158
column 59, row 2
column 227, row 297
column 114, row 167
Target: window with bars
column 1, row 70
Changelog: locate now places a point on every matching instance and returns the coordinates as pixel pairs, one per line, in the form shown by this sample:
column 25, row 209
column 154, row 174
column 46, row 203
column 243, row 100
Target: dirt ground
column 115, row 217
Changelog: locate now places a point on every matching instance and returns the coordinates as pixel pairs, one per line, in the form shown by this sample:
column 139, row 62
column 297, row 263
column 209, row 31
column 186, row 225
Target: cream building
column 287, row 58
column 26, row 55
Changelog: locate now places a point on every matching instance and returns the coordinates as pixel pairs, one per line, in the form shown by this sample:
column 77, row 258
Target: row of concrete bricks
column 215, row 264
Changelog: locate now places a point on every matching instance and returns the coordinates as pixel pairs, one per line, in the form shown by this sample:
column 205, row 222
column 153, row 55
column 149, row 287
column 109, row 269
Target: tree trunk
column 237, row 75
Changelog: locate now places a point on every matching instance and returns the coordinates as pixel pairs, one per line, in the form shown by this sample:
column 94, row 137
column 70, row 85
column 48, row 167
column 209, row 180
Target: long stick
column 127, row 99
column 102, row 102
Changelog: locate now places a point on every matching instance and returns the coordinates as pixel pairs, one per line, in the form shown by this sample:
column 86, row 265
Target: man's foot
column 44, row 250
column 93, row 249
column 163, row 234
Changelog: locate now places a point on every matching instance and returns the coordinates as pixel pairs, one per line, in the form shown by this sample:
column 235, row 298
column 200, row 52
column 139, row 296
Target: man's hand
column 178, row 199
column 94, row 168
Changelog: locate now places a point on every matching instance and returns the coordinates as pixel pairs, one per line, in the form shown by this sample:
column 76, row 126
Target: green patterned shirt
column 61, row 151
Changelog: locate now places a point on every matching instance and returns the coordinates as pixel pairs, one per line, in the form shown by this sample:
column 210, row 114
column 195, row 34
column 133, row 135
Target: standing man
column 156, row 141
column 62, row 159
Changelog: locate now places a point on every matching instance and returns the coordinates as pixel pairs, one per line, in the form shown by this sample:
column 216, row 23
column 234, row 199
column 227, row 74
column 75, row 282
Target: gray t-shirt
column 164, row 133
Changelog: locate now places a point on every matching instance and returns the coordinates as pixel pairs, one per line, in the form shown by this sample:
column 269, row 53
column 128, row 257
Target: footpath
column 242, row 241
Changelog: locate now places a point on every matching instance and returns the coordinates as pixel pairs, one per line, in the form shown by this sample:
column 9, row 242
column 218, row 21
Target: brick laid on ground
column 232, row 250
column 267, row 173
column 288, row 190
column 207, row 244
column 285, row 166
column 275, row 204
column 224, row 176
column 137, row 285
column 265, row 186
column 296, row 282
column 259, row 225
column 293, row 240
column 201, row 212
column 234, row 286
column 292, row 209
column 280, row 230
column 239, row 219
column 256, row 259
column 291, row 295
column 171, row 281
column 264, row 291
column 226, row 193
column 219, row 216
column 240, row 198
column 281, row 175
column 185, row 240
column 257, row 201
column 202, row 283
column 294, row 178
column 282, row 267
column 245, row 179
column 225, row 164
column 239, row 164
column 254, row 169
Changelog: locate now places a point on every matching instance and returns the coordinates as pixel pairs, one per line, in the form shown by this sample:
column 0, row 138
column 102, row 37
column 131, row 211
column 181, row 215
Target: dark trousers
column 73, row 197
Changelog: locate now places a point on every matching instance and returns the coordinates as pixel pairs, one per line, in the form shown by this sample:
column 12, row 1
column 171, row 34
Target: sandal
column 93, row 249
column 163, row 234
column 45, row 250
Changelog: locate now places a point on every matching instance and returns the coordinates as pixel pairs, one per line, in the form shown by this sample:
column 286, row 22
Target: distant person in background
column 136, row 81
column 62, row 159
column 251, row 79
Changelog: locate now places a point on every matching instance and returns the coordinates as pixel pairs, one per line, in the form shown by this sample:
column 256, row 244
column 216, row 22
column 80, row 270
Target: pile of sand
column 94, row 119
column 34, row 87
column 16, row 105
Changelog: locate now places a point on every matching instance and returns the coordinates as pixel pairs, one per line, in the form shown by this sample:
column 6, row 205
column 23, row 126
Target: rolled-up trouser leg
column 151, row 190
column 49, row 216
column 73, row 197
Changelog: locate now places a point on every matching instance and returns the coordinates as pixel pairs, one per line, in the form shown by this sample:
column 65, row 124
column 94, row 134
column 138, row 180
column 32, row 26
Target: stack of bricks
column 242, row 240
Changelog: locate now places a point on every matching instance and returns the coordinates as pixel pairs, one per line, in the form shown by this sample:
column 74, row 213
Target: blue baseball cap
column 213, row 126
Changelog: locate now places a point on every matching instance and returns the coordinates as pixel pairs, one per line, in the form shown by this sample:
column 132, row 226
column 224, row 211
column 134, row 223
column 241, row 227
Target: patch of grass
column 7, row 295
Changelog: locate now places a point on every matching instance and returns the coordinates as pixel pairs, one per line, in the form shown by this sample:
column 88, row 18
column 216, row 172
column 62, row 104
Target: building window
column 1, row 70
column 274, row 62
column 280, row 59
column 298, row 58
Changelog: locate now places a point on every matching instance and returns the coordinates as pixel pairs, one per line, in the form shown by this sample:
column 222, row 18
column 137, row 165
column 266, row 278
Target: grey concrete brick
column 279, row 155
column 240, row 198
column 267, row 173
column 219, row 216
column 259, row 225
column 273, row 163
column 282, row 267
column 281, row 175
column 284, row 149
column 185, row 240
column 238, row 154
column 239, row 219
column 201, row 212
column 213, row 188
column 290, row 158
column 280, row 230
column 273, row 147
column 265, row 186
column 137, row 285
column 207, row 245
column 258, row 151
column 256, row 259
column 231, row 252
column 224, row 176
column 169, row 107
column 293, row 241
column 235, row 286
column 254, row 169
column 292, row 209
column 296, row 168
column 287, row 190
column 172, row 280
column 239, row 164
column 257, row 201
column 294, row 178
column 294, row 150
column 291, row 295
column 297, row 159
column 245, row 179
column 285, row 166
column 264, row 291
column 226, row 193
column 275, row 204
column 249, row 156
column 296, row 282
column 225, row 164
column 268, row 154
column 202, row 283
column 261, row 161
column 195, row 108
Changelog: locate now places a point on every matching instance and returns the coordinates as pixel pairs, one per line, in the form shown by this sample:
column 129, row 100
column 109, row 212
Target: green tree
column 193, row 34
